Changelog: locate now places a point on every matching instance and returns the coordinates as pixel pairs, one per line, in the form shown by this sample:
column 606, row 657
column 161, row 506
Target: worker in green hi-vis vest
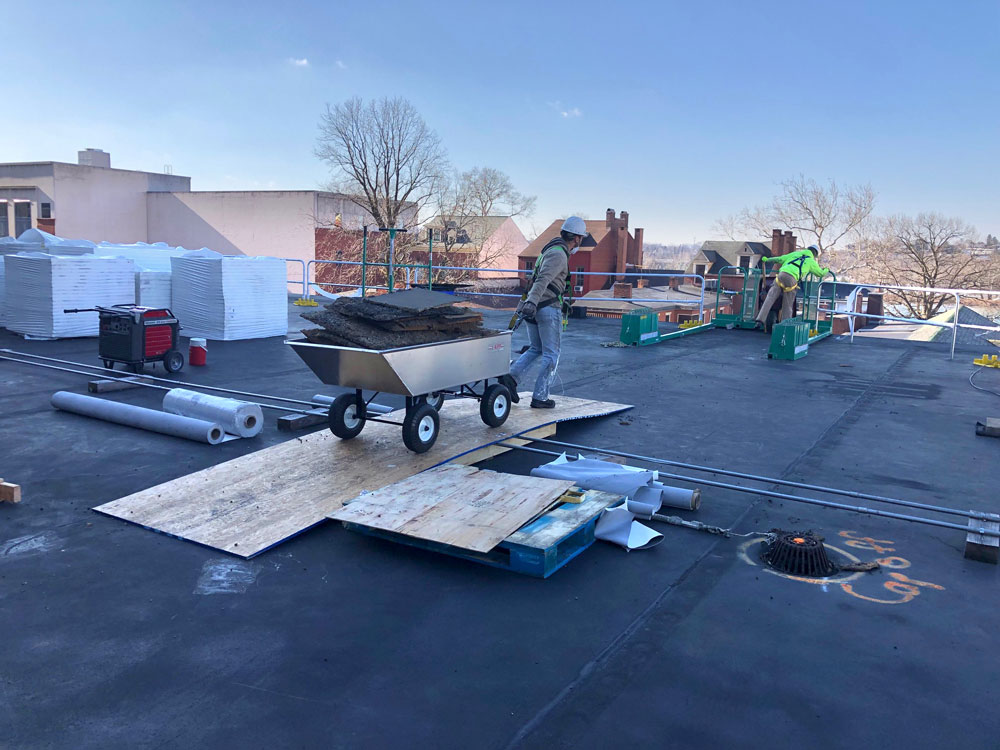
column 792, row 267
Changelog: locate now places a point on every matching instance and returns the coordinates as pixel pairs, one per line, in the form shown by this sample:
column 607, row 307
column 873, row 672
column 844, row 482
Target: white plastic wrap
column 227, row 297
column 49, row 243
column 152, row 288
column 154, row 257
column 40, row 286
column 236, row 417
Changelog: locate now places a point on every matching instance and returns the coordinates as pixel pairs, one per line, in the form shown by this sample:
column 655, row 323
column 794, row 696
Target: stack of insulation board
column 40, row 286
column 152, row 263
column 229, row 297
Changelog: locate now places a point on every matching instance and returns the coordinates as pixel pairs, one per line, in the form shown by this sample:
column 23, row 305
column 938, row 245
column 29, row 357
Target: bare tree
column 928, row 250
column 382, row 155
column 467, row 205
column 825, row 215
column 385, row 158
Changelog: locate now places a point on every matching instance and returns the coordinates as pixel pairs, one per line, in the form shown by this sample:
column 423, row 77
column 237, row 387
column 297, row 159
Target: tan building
column 476, row 242
column 91, row 200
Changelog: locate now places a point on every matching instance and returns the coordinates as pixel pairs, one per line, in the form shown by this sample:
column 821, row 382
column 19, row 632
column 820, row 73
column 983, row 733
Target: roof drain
column 798, row 553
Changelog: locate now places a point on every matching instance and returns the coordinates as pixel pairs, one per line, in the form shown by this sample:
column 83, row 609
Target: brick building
column 609, row 249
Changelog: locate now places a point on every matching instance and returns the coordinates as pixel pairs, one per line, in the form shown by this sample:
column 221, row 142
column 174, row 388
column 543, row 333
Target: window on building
column 529, row 265
column 44, row 210
column 437, row 234
column 4, row 224
column 699, row 270
column 22, row 217
column 579, row 276
column 744, row 261
column 462, row 237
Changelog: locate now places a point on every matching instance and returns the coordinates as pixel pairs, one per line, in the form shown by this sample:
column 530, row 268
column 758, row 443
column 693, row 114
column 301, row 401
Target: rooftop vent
column 93, row 157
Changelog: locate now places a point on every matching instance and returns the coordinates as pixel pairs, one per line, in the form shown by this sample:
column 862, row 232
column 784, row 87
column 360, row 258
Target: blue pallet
column 538, row 549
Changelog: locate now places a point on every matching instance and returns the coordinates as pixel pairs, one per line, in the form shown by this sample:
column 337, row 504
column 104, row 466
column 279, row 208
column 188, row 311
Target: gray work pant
column 787, row 298
column 544, row 334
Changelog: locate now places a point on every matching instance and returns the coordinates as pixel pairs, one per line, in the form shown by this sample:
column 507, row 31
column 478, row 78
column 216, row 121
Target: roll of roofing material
column 136, row 416
column 236, row 417
column 319, row 398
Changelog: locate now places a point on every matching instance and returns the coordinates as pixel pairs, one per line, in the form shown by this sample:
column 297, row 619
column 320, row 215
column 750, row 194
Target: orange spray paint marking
column 866, row 542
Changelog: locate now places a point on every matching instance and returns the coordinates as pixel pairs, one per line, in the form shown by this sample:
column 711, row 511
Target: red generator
column 135, row 335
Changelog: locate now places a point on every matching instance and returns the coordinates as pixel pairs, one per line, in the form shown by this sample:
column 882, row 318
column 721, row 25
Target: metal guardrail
column 412, row 271
column 417, row 267
column 954, row 325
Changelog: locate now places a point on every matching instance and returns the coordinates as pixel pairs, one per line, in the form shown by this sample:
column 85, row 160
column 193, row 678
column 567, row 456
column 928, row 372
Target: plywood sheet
column 456, row 505
column 250, row 504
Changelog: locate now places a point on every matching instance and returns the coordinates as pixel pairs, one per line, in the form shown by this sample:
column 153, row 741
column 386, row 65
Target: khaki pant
column 787, row 298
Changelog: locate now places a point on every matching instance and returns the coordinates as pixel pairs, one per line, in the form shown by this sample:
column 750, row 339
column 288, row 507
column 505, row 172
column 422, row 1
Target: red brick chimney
column 789, row 244
column 777, row 243
column 624, row 218
column 635, row 257
column 622, row 290
column 609, row 218
column 622, row 252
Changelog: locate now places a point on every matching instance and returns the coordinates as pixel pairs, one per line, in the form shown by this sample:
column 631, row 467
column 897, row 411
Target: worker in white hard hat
column 543, row 306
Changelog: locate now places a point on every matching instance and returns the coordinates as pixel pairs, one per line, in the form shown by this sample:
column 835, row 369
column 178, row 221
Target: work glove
column 527, row 310
column 764, row 259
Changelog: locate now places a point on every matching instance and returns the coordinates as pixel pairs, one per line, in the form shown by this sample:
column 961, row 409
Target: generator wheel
column 173, row 361
column 494, row 407
column 347, row 416
column 436, row 400
column 420, row 428
column 109, row 364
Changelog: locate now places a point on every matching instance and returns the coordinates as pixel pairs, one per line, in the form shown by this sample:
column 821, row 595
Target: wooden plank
column 462, row 507
column 983, row 547
column 9, row 492
column 555, row 525
column 251, row 503
column 291, row 422
column 538, row 549
column 110, row 385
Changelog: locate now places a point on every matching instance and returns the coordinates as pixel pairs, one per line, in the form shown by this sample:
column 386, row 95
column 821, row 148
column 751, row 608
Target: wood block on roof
column 251, row 503
column 456, row 505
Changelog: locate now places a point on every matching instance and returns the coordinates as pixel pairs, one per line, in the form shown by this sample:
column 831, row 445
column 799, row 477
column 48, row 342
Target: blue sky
column 677, row 112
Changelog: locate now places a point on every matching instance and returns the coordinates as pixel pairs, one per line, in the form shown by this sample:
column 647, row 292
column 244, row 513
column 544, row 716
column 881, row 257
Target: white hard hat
column 575, row 225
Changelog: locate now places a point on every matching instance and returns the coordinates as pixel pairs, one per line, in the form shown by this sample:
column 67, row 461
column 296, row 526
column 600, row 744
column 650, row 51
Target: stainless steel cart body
column 424, row 374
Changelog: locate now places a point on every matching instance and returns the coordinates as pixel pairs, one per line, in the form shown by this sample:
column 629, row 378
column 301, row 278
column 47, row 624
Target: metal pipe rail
column 174, row 383
column 772, row 480
column 284, row 409
column 786, row 496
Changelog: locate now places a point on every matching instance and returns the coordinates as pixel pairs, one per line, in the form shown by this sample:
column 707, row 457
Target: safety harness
column 798, row 263
column 563, row 292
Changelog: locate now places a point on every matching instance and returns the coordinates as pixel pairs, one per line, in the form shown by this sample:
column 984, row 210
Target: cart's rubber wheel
column 109, row 364
column 347, row 416
column 420, row 428
column 494, row 407
column 436, row 400
column 173, row 361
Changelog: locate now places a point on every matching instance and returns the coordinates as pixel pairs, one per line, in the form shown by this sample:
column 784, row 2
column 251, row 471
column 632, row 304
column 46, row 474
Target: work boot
column 508, row 380
column 546, row 404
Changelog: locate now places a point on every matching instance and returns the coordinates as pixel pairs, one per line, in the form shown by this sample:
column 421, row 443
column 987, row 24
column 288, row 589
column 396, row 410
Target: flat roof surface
column 117, row 636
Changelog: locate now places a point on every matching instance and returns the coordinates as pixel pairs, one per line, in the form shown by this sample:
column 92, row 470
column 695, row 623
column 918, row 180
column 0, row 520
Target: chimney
column 789, row 243
column 625, row 219
column 93, row 157
column 622, row 290
column 609, row 218
column 622, row 249
column 637, row 257
column 777, row 243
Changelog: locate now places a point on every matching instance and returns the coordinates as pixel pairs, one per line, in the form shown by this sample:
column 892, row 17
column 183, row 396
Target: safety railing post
column 364, row 260
column 954, row 325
